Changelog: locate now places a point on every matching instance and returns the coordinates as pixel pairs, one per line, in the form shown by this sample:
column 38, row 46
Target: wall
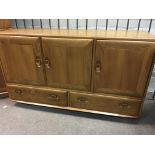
column 131, row 24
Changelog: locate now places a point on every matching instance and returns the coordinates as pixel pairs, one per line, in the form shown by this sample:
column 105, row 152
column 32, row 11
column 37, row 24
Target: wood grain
column 104, row 72
column 118, row 105
column 18, row 55
column 3, row 91
column 2, row 81
column 94, row 103
column 125, row 67
column 40, row 95
column 69, row 61
column 98, row 34
column 75, row 109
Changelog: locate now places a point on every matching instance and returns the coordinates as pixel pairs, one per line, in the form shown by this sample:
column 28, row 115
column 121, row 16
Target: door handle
column 98, row 66
column 38, row 61
column 47, row 63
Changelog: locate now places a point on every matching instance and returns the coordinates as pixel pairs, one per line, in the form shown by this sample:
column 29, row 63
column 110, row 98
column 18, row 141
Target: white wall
column 91, row 24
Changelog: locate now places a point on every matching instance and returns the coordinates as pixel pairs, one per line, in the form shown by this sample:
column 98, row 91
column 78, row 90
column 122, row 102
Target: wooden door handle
column 98, row 66
column 47, row 63
column 38, row 61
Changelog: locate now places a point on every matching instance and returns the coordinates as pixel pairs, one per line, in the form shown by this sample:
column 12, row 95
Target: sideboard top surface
column 98, row 34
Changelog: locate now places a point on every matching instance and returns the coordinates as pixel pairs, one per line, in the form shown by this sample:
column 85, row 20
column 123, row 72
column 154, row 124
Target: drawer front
column 103, row 103
column 38, row 95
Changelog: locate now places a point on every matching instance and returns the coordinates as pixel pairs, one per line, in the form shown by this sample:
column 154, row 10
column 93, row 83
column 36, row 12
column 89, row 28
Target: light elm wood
column 2, row 81
column 3, row 91
column 99, row 34
column 74, row 109
column 105, row 103
column 105, row 72
column 37, row 94
column 122, row 67
column 79, row 101
column 22, row 60
column 68, row 62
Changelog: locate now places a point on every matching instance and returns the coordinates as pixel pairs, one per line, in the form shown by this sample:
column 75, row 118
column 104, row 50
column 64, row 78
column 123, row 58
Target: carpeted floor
column 25, row 119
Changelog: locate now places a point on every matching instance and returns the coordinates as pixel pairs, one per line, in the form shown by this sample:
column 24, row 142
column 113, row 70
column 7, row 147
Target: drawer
column 38, row 95
column 103, row 103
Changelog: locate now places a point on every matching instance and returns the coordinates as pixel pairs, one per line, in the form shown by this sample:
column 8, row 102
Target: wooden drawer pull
column 82, row 99
column 124, row 105
column 18, row 91
column 54, row 96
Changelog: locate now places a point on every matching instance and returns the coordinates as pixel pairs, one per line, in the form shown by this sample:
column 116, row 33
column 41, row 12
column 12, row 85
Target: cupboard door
column 122, row 67
column 68, row 62
column 21, row 59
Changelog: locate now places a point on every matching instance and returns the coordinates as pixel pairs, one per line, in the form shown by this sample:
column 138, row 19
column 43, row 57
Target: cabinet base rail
column 4, row 94
column 75, row 109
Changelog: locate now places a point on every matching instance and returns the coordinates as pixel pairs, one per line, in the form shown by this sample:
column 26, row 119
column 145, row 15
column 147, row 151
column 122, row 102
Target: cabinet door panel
column 68, row 62
column 21, row 59
column 122, row 67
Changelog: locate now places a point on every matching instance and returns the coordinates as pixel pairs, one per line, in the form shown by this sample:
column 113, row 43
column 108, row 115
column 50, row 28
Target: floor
column 152, row 82
column 18, row 118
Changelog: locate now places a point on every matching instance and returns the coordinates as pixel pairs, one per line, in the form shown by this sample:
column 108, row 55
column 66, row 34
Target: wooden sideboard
column 104, row 72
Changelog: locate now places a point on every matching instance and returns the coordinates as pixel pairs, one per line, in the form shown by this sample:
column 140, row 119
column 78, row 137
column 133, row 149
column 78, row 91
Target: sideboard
column 105, row 72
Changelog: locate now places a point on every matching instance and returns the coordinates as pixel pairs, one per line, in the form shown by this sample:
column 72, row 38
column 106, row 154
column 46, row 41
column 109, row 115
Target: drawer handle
column 82, row 99
column 98, row 66
column 54, row 96
column 38, row 61
column 18, row 91
column 124, row 105
column 47, row 63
